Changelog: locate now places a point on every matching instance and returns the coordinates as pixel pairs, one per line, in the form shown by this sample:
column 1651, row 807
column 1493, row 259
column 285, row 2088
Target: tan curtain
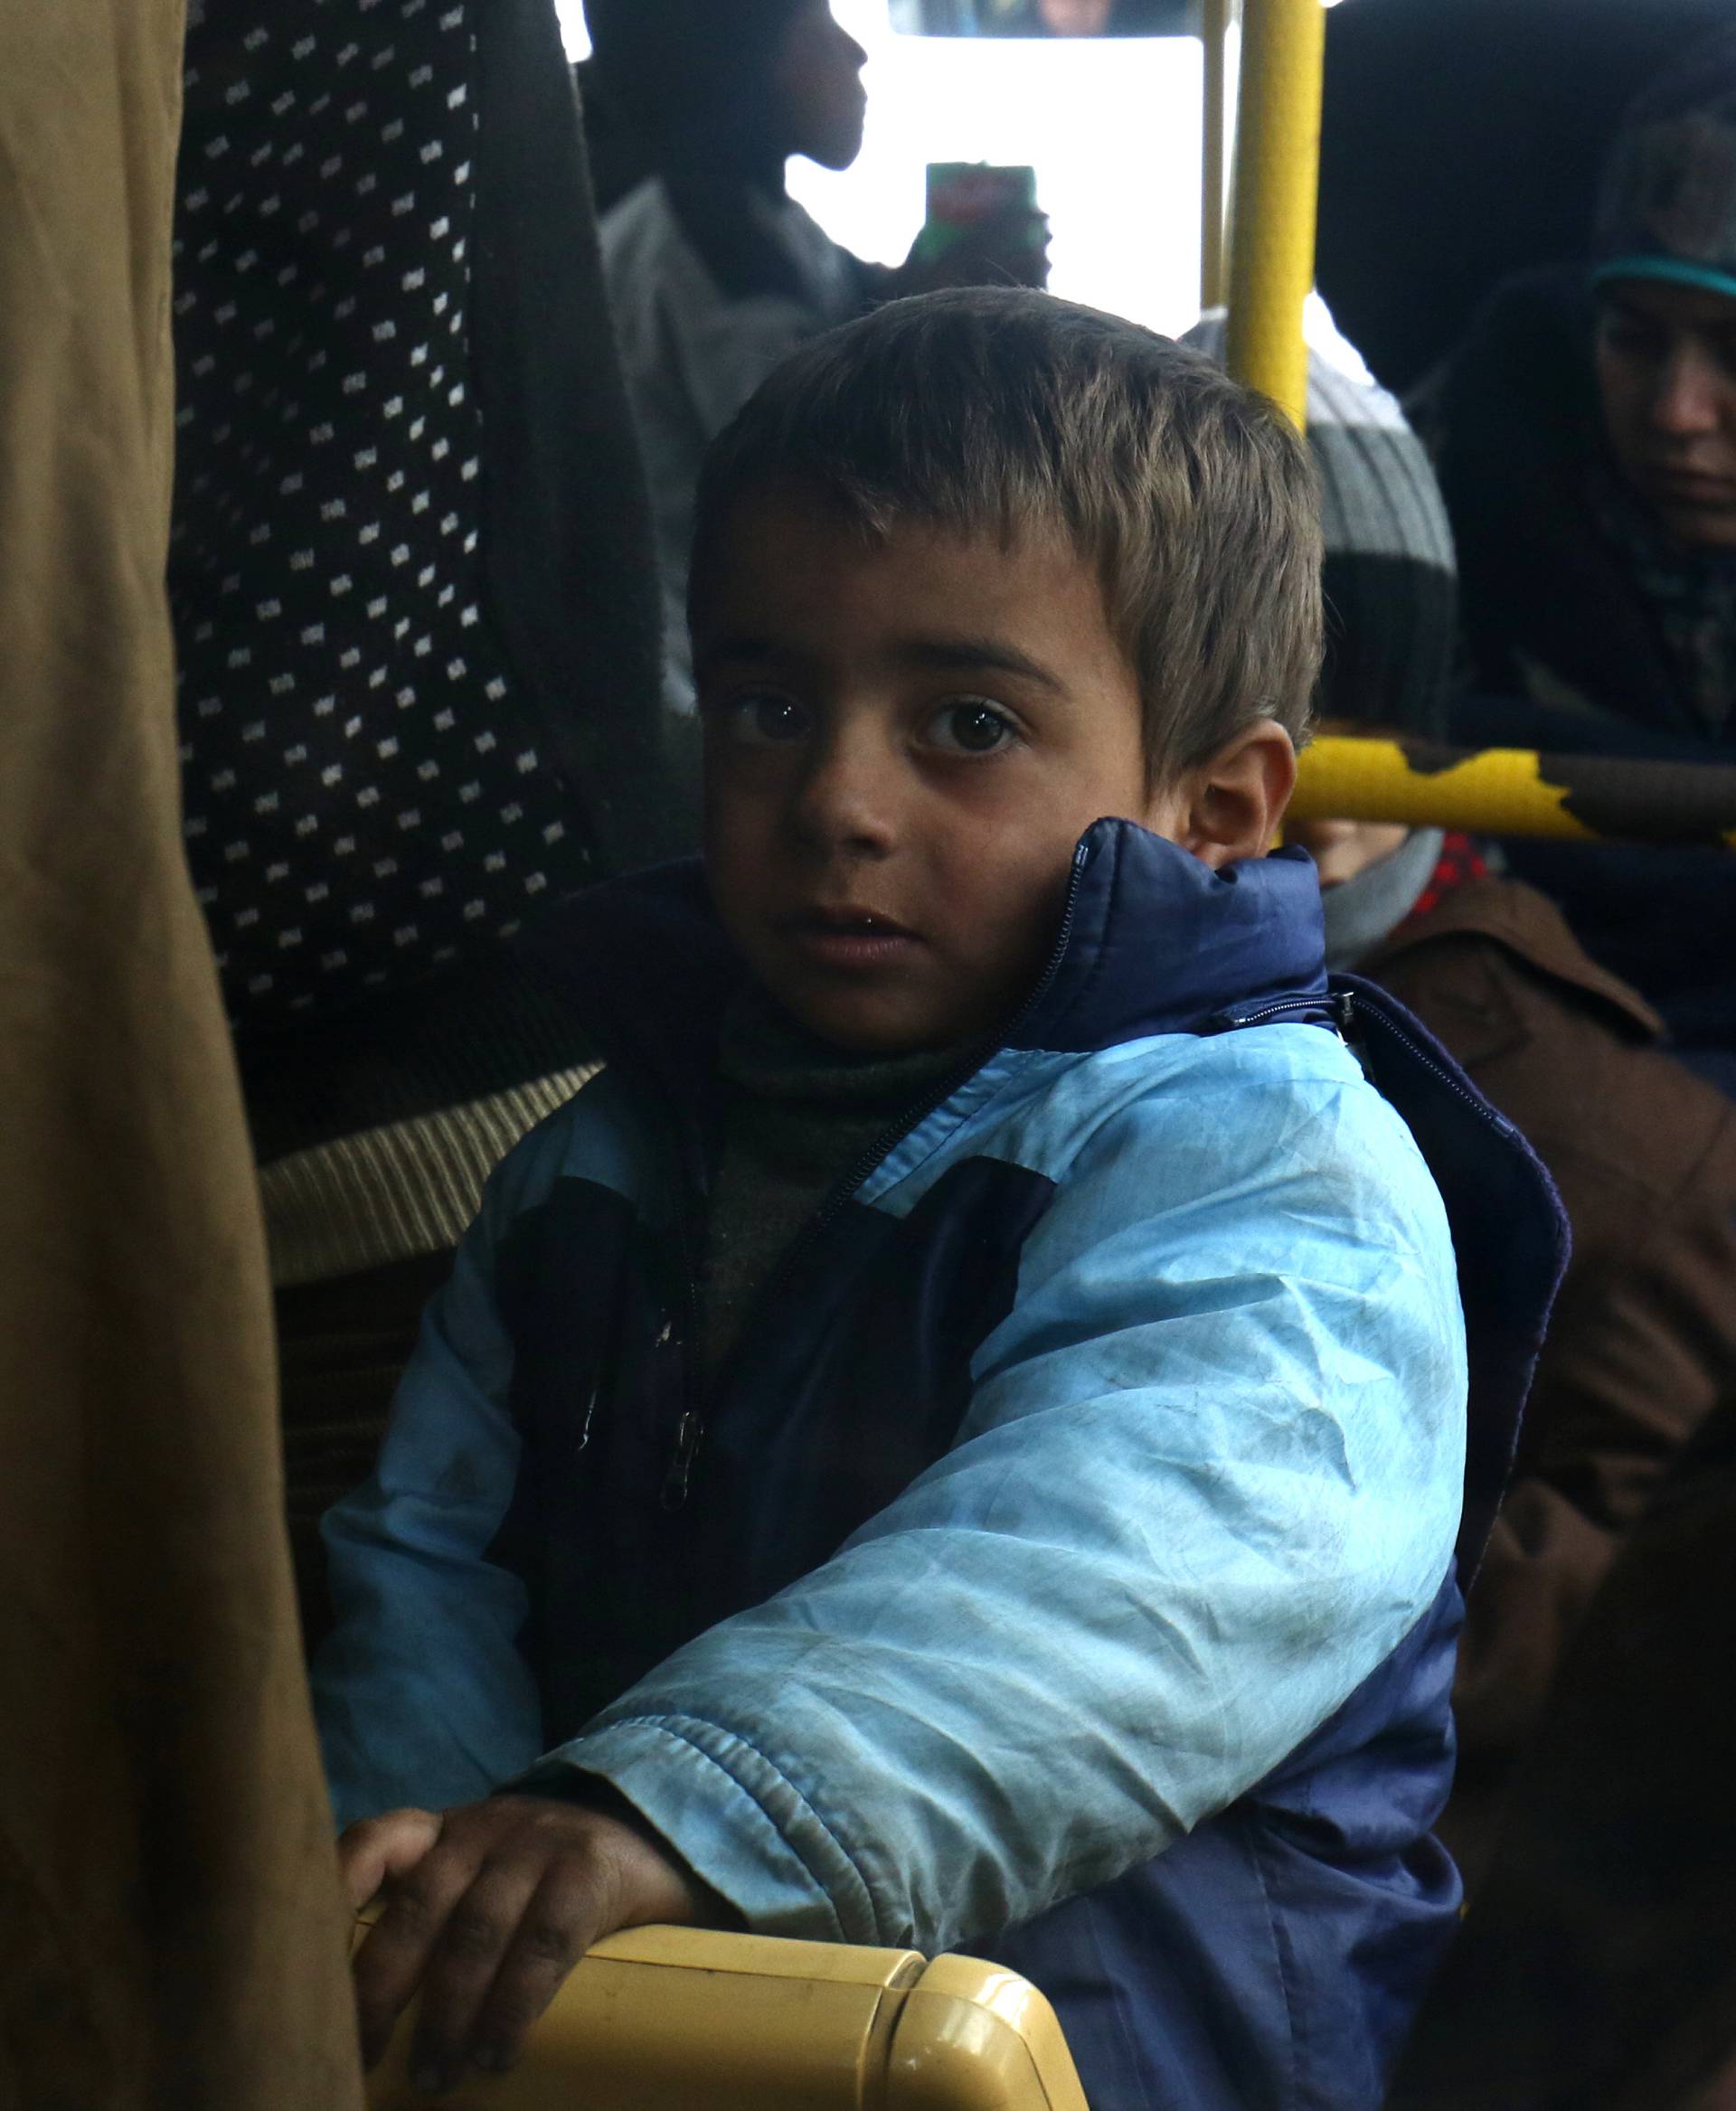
column 170, row 1931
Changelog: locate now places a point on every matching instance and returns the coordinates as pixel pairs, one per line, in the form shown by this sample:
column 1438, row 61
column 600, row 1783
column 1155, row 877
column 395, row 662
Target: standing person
column 415, row 606
column 1642, row 1343
column 714, row 272
column 959, row 1434
column 170, row 1929
column 1586, row 438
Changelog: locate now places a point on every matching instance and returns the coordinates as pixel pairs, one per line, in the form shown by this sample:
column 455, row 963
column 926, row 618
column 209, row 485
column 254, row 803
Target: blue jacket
column 1063, row 1564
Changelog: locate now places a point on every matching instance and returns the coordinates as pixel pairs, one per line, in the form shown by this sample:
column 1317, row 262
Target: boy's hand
column 488, row 1908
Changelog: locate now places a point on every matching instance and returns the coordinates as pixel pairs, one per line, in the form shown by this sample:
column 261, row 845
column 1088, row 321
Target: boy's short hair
column 1007, row 412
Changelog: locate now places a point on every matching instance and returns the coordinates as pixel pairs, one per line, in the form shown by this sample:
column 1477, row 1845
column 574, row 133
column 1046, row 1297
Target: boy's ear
column 1233, row 805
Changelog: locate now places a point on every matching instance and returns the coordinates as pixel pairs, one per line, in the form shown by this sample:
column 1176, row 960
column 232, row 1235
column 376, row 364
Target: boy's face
column 904, row 740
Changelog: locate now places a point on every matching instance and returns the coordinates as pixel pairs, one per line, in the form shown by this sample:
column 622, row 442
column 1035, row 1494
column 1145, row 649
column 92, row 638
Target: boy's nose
column 846, row 799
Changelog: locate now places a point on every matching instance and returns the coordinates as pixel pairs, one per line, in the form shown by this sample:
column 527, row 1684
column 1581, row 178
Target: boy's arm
column 421, row 1693
column 1209, row 1480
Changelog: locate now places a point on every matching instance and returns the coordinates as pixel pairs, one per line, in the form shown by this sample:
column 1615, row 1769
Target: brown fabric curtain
column 170, row 1929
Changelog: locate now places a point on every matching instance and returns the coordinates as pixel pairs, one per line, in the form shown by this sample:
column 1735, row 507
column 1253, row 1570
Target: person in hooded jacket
column 1585, row 433
column 714, row 272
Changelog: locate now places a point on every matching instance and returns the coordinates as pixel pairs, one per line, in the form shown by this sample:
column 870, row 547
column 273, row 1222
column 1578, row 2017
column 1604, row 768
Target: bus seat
column 664, row 2016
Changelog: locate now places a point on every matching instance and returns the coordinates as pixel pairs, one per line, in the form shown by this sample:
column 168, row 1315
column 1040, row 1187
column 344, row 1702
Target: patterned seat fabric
column 366, row 793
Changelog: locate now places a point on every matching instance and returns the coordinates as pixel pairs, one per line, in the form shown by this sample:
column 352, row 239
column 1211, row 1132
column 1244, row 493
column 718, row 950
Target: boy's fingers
column 371, row 1854
column 559, row 1924
column 512, row 1913
column 390, row 1965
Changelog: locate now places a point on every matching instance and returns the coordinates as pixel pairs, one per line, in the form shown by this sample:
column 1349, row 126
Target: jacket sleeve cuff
column 738, row 1823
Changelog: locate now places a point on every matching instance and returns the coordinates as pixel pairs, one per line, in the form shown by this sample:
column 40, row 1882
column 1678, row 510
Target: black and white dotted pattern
column 364, row 796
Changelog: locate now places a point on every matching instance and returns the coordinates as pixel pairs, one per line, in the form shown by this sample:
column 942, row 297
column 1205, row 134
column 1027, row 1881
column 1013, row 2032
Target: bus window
column 1113, row 129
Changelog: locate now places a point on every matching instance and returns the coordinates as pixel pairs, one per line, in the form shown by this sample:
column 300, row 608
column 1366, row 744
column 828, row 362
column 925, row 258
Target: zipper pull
column 688, row 1432
column 582, row 1442
column 1344, row 1004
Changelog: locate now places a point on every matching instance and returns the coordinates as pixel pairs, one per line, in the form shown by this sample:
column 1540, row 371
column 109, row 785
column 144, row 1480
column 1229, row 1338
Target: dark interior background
column 1462, row 141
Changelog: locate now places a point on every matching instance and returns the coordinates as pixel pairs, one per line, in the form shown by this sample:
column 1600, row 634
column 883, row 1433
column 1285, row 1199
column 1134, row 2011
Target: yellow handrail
column 1513, row 791
column 1277, row 192
column 1215, row 32
column 666, row 2018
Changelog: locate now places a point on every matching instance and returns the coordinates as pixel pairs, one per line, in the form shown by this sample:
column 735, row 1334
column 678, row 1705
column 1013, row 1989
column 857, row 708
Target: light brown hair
column 1008, row 412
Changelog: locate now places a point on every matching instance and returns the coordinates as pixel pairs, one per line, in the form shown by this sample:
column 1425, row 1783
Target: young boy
column 956, row 1436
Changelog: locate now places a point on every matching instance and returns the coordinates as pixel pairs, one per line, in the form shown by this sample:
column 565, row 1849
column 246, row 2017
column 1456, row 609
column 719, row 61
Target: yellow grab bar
column 1216, row 34
column 665, row 2018
column 1513, row 791
column 1277, row 197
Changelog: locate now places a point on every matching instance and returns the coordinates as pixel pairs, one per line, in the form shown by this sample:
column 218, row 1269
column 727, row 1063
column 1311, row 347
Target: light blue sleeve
column 1209, row 1480
column 421, row 1693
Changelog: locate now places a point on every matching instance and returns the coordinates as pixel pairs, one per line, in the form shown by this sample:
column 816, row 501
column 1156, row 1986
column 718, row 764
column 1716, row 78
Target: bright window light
column 574, row 34
column 1111, row 126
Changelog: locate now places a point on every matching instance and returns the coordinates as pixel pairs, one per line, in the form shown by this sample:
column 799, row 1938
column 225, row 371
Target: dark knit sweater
column 798, row 1115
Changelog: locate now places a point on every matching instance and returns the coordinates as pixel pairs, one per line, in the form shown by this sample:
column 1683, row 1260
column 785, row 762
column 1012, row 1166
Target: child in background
column 956, row 1435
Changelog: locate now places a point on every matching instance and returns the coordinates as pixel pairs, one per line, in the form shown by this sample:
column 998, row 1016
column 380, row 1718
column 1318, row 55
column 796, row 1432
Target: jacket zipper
column 676, row 1481
column 689, row 1426
column 1492, row 1117
column 1343, row 1004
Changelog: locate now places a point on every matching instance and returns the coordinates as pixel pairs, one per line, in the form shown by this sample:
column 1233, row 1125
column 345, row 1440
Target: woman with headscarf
column 714, row 272
column 1586, row 438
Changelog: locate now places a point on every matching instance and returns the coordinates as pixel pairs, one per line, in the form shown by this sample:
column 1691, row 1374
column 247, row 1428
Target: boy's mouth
column 849, row 935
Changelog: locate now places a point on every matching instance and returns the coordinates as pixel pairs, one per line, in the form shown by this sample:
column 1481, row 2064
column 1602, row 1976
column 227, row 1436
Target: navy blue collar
column 1152, row 941
column 1156, row 942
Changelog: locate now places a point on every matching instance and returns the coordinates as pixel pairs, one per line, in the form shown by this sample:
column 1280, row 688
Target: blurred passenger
column 1643, row 1341
column 417, row 627
column 616, row 149
column 714, row 272
column 959, row 1434
column 1587, row 444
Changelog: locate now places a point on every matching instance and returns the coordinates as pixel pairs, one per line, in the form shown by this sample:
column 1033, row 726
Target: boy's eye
column 971, row 727
column 762, row 719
